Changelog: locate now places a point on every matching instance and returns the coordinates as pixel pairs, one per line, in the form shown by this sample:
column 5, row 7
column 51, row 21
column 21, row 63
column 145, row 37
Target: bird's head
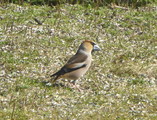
column 89, row 46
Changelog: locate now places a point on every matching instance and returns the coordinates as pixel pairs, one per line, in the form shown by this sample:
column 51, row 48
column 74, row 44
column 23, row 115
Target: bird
column 78, row 64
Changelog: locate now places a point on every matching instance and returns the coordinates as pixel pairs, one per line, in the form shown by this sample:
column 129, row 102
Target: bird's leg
column 76, row 86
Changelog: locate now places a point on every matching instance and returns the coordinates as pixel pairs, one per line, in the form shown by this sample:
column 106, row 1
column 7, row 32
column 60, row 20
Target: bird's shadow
column 55, row 85
column 49, row 84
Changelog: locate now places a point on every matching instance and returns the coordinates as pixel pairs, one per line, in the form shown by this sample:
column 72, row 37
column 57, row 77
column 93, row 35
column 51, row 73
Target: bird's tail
column 54, row 77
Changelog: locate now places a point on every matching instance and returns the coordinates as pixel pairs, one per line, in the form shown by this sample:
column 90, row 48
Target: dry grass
column 121, row 83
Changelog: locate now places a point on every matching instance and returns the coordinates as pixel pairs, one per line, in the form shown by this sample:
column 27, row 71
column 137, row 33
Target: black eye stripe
column 93, row 43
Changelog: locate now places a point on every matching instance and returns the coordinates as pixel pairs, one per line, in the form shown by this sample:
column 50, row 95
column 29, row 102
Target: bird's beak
column 96, row 48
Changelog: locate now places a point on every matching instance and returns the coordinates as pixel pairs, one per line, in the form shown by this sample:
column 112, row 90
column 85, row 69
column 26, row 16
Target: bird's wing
column 76, row 62
column 77, row 59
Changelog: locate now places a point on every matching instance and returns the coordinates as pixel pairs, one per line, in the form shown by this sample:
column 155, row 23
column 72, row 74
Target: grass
column 121, row 83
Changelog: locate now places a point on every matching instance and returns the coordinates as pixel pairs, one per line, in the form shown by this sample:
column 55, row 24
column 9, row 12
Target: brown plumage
column 78, row 64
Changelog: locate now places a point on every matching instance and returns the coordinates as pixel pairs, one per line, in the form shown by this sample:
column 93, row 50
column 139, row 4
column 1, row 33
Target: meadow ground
column 35, row 41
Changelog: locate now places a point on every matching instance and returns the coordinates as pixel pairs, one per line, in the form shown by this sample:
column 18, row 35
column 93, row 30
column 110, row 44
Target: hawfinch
column 78, row 64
